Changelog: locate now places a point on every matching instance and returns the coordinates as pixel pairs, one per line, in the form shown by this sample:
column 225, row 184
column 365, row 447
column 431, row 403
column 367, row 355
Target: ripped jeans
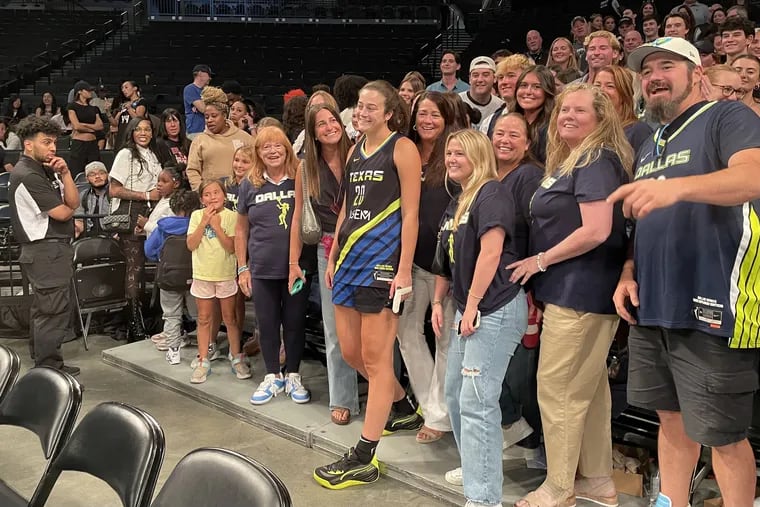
column 474, row 374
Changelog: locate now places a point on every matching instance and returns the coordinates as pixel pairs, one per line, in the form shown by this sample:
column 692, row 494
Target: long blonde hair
column 479, row 152
column 562, row 159
column 572, row 62
column 271, row 135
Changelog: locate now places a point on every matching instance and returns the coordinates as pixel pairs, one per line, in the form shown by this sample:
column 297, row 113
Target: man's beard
column 662, row 110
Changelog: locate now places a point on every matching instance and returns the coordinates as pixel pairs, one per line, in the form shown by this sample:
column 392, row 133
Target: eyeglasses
column 269, row 147
column 727, row 91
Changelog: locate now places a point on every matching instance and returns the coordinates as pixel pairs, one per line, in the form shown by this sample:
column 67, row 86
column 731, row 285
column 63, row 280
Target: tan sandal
column 534, row 499
column 604, row 501
column 427, row 435
column 340, row 416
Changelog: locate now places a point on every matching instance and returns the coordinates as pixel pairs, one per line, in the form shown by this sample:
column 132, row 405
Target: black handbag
column 440, row 266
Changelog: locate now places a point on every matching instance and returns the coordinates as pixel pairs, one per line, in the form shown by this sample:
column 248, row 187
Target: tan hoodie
column 211, row 154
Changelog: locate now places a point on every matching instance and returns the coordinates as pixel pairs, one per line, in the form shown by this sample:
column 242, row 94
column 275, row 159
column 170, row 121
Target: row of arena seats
column 47, row 401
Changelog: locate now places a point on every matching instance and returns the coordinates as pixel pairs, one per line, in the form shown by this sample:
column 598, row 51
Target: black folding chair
column 10, row 364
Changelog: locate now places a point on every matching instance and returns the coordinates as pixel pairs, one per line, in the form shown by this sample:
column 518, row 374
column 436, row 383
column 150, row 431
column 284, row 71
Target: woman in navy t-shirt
column 492, row 311
column 579, row 240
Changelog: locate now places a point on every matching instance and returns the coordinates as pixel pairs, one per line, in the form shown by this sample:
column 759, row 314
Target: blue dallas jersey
column 697, row 264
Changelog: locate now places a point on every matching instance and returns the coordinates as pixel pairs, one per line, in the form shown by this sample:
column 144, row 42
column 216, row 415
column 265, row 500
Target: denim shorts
column 697, row 374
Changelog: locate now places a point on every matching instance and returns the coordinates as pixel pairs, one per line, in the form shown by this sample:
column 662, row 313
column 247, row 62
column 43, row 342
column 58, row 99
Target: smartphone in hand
column 475, row 323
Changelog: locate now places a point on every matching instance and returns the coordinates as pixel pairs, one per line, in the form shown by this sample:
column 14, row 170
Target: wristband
column 435, row 303
column 293, row 263
column 541, row 267
column 242, row 269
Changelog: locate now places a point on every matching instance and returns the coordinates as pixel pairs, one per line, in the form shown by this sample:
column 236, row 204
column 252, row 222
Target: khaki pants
column 574, row 395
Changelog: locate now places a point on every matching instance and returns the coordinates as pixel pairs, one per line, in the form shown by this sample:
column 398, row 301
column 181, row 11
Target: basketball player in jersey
column 372, row 258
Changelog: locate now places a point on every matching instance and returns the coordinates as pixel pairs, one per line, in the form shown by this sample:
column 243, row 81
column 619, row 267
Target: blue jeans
column 341, row 378
column 474, row 374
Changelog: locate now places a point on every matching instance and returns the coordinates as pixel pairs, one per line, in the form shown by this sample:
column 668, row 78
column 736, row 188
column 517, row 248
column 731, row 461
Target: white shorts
column 203, row 289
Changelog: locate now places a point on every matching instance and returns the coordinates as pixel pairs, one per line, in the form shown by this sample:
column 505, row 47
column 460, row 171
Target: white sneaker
column 213, row 352
column 516, row 432
column 454, row 476
column 270, row 387
column 472, row 503
column 172, row 355
column 240, row 368
column 295, row 389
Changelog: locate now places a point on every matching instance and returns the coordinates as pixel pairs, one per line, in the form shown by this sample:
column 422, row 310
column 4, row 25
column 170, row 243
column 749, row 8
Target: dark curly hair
column 294, row 116
column 184, row 201
column 32, row 125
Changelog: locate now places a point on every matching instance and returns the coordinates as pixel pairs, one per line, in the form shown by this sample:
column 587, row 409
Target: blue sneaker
column 663, row 501
column 271, row 386
column 295, row 389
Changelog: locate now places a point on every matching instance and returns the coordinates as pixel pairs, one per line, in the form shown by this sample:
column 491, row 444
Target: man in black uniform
column 43, row 198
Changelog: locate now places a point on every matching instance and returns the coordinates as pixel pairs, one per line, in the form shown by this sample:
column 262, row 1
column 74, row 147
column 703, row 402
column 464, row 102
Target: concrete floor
column 187, row 425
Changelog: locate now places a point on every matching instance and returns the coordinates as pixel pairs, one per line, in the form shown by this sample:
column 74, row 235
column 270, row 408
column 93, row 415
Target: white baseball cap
column 673, row 45
column 483, row 62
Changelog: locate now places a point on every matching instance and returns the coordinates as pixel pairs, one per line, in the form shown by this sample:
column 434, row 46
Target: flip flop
column 427, row 435
column 340, row 416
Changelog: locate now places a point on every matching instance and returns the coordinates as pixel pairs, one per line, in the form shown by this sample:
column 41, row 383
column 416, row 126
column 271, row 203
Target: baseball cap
column 705, row 47
column 203, row 68
column 577, row 18
column 625, row 20
column 94, row 167
column 674, row 45
column 82, row 85
column 483, row 62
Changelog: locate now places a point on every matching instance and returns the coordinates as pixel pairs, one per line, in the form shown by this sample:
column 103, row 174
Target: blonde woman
column 492, row 311
column 562, row 54
column 579, row 243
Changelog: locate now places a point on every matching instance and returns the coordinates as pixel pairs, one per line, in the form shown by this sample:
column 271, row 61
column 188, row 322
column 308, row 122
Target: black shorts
column 362, row 299
column 697, row 374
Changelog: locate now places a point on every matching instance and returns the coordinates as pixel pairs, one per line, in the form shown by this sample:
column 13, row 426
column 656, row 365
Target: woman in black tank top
column 370, row 261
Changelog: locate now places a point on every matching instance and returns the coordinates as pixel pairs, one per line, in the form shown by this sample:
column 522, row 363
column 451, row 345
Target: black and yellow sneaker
column 347, row 471
column 398, row 422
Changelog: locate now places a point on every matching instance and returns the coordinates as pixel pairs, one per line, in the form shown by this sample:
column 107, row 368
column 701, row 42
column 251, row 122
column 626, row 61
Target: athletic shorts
column 697, row 374
column 203, row 289
column 362, row 299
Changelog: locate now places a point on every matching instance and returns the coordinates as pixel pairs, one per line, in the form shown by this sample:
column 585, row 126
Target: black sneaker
column 347, row 471
column 71, row 370
column 398, row 422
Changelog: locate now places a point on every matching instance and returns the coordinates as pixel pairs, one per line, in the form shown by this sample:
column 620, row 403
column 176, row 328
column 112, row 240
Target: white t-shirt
column 485, row 110
column 126, row 170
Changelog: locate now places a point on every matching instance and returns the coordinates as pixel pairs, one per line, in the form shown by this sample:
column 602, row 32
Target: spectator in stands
column 651, row 28
column 695, row 367
column 699, row 11
column 93, row 200
column 317, row 98
column 233, row 90
column 535, row 101
column 8, row 139
column 412, row 84
column 103, row 102
column 677, row 25
column 535, row 45
column 366, row 324
column 172, row 144
column 648, row 8
column 243, row 115
column 625, row 25
column 125, row 108
column 748, row 67
column 194, row 106
column 449, row 82
column 346, row 90
column 602, row 49
column 48, row 106
column 320, row 87
column 433, row 119
column 264, row 221
column 182, row 204
column 500, row 54
column 521, row 173
column 212, row 150
column 725, row 83
column 326, row 148
column 610, row 24
column 631, row 41
column 579, row 245
column 754, row 48
column 133, row 177
column 43, row 197
column 617, row 83
column 294, row 116
column 596, row 22
column 492, row 313
column 736, row 34
column 15, row 111
column 579, row 28
column 507, row 73
column 211, row 238
column 561, row 53
column 86, row 122
column 718, row 16
column 169, row 181
column 738, row 10
column 480, row 95
column 706, row 53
